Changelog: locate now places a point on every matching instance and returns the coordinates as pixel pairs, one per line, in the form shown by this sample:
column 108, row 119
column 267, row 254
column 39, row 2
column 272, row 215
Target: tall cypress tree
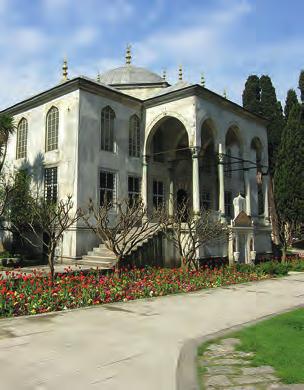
column 252, row 94
column 291, row 99
column 272, row 110
column 288, row 179
column 301, row 85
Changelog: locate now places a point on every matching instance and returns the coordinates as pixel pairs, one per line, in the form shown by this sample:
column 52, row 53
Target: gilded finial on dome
column 180, row 73
column 164, row 76
column 202, row 80
column 128, row 55
column 225, row 94
column 65, row 70
column 98, row 77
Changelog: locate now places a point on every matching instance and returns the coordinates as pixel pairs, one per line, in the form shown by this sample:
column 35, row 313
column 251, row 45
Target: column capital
column 145, row 159
column 195, row 151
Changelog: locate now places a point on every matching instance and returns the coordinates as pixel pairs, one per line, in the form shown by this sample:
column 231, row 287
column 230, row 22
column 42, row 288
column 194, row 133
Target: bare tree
column 188, row 231
column 122, row 231
column 47, row 222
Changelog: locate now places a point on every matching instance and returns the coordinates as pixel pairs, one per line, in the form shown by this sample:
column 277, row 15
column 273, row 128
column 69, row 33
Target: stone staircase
column 103, row 258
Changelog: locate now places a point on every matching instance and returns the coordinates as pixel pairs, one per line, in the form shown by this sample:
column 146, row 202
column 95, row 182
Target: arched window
column 52, row 124
column 134, row 136
column 107, row 129
column 21, row 146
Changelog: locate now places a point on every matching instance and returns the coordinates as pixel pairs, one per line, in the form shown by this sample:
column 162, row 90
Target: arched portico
column 170, row 165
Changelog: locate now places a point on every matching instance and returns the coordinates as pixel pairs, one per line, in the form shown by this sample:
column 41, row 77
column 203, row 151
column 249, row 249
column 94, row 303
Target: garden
column 35, row 293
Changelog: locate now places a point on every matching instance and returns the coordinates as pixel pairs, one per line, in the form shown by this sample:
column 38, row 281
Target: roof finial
column 180, row 73
column 164, row 74
column 65, row 70
column 128, row 55
column 98, row 77
column 225, row 94
column 202, row 80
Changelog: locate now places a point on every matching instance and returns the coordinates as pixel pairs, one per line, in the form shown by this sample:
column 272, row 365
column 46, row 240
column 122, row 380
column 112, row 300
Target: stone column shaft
column 195, row 181
column 144, row 182
column 247, row 192
column 221, row 151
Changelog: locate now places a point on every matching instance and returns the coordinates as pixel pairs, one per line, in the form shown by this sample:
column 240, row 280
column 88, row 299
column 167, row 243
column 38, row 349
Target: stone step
column 101, row 253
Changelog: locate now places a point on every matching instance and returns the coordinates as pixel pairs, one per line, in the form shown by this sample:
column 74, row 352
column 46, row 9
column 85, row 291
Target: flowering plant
column 24, row 294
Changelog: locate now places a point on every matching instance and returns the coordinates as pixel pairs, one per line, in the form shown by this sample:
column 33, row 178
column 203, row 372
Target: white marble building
column 129, row 131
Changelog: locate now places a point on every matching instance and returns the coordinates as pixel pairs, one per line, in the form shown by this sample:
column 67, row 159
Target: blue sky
column 224, row 39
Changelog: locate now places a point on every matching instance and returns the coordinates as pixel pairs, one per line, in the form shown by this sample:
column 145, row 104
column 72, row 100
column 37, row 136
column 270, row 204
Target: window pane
column 50, row 184
column 52, row 124
column 21, row 146
column 107, row 129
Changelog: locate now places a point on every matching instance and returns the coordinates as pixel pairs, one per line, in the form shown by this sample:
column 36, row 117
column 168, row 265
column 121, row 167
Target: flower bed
column 22, row 294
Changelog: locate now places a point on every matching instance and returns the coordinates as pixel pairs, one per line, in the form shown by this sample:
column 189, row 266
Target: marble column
column 265, row 187
column 221, row 151
column 195, row 181
column 171, row 190
column 247, row 191
column 144, row 182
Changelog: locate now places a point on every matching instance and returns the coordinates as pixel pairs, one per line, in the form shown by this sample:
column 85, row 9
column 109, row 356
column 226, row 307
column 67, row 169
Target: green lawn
column 278, row 342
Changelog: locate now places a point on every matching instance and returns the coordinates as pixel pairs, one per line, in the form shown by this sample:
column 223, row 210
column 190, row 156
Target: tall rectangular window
column 134, row 136
column 228, row 203
column 21, row 139
column 52, row 125
column 158, row 193
column 50, row 184
column 133, row 189
column 107, row 129
column 107, row 184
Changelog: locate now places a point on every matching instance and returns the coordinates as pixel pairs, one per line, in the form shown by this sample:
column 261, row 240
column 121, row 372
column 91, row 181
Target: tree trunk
column 284, row 254
column 51, row 256
column 273, row 214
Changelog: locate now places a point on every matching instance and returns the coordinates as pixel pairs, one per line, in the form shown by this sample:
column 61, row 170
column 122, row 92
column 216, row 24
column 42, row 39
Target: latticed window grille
column 50, row 184
column 206, row 200
column 228, row 203
column 52, row 124
column 228, row 164
column 133, row 188
column 158, row 193
column 107, row 129
column 107, row 187
column 134, row 136
column 21, row 148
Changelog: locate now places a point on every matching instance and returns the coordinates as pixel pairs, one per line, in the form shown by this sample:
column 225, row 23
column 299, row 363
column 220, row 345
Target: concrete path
column 132, row 345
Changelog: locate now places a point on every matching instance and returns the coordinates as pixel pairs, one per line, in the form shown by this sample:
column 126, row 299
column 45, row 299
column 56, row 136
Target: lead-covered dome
column 130, row 75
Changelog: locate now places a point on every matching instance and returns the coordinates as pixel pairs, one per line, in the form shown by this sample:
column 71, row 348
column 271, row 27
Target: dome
column 131, row 75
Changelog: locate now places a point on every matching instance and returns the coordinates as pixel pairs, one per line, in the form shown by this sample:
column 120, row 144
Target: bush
column 273, row 268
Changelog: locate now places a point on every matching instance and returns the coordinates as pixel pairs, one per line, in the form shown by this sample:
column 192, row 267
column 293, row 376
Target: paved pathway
column 133, row 345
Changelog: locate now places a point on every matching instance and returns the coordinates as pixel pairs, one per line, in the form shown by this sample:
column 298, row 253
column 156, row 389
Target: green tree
column 301, row 85
column 7, row 128
column 289, row 179
column 272, row 110
column 252, row 94
column 291, row 99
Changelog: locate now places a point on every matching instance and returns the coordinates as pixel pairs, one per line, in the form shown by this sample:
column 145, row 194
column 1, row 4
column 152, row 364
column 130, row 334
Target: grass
column 277, row 342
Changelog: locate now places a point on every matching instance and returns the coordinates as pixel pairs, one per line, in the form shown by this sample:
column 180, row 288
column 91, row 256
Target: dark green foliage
column 272, row 110
column 291, row 99
column 7, row 128
column 301, row 85
column 289, row 175
column 252, row 94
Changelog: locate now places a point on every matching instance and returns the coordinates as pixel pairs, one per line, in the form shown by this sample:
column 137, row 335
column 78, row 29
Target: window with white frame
column 133, row 189
column 107, row 187
column 21, row 146
column 134, row 136
column 228, row 203
column 51, row 184
column 52, row 125
column 158, row 193
column 206, row 200
column 107, row 129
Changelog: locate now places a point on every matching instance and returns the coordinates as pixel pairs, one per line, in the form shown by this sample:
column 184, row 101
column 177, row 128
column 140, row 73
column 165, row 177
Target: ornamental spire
column 98, row 77
column 180, row 73
column 225, row 94
column 128, row 55
column 202, row 80
column 65, row 70
column 164, row 75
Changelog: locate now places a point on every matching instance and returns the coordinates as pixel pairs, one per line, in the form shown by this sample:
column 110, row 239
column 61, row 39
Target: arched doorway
column 169, row 177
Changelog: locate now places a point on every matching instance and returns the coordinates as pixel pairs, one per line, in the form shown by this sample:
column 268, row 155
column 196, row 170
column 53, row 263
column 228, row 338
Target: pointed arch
column 107, row 129
column 21, row 145
column 52, row 126
column 134, row 136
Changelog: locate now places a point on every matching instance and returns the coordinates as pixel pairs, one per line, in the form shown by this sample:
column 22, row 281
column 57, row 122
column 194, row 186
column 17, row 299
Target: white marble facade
column 186, row 135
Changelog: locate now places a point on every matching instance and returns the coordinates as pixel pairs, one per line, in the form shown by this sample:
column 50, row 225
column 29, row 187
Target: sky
column 225, row 39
